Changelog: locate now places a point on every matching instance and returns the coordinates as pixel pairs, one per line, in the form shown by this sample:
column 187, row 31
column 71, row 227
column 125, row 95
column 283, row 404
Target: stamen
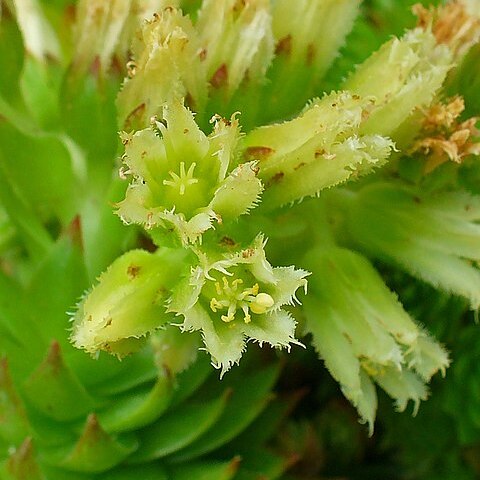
column 232, row 299
column 182, row 181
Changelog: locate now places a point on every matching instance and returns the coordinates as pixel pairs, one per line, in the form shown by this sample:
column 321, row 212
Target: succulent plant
column 281, row 169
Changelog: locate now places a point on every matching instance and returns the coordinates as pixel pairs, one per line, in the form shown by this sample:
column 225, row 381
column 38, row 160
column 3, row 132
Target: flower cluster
column 207, row 200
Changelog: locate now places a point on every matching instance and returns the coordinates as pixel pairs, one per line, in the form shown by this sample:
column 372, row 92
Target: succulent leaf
column 14, row 425
column 54, row 390
column 95, row 451
column 174, row 431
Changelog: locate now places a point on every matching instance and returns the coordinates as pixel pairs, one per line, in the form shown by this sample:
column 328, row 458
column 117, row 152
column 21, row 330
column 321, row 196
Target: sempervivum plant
column 253, row 161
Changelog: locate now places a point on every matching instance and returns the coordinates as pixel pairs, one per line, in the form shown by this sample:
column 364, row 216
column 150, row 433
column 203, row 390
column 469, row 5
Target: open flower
column 238, row 297
column 182, row 179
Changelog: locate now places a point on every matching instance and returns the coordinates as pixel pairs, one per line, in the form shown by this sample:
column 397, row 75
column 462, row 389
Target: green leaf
column 245, row 405
column 261, row 463
column 95, row 451
column 39, row 84
column 145, row 472
column 178, row 429
column 205, row 470
column 54, row 390
column 118, row 377
column 22, row 464
column 36, row 239
column 64, row 266
column 14, row 425
column 191, row 379
column 135, row 410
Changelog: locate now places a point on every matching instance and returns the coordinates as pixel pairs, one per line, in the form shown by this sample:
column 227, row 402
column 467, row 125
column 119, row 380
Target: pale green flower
column 184, row 180
column 435, row 237
column 363, row 334
column 236, row 297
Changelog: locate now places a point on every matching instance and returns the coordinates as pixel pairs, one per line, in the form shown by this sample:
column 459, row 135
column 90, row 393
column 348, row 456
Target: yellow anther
column 231, row 298
column 262, row 302
column 214, row 304
column 229, row 317
column 247, row 318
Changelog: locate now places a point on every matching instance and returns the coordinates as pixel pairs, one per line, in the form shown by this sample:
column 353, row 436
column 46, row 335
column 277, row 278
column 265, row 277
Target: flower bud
column 402, row 75
column 320, row 148
column 434, row 237
column 127, row 303
column 240, row 46
column 299, row 48
column 363, row 334
column 165, row 65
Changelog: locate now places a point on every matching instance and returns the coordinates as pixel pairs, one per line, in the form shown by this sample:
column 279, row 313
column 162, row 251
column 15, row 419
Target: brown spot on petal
column 135, row 115
column 277, row 178
column 227, row 241
column 310, row 54
column 258, row 153
column 133, row 271
column 284, row 46
column 300, row 165
column 220, row 77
